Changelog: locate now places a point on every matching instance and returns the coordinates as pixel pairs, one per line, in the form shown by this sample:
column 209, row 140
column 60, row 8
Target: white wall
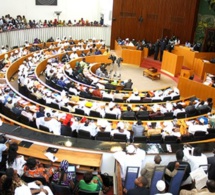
column 71, row 9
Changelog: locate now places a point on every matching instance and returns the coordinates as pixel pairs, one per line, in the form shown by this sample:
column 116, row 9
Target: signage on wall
column 46, row 2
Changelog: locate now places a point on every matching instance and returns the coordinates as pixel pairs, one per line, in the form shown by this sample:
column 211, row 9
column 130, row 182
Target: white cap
column 130, row 149
column 161, row 185
column 111, row 104
column 121, row 125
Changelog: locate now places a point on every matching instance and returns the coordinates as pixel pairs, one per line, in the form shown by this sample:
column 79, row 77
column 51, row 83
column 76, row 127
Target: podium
column 171, row 63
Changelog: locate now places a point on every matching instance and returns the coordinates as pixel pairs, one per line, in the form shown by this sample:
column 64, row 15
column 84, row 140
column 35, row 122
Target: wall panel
column 178, row 17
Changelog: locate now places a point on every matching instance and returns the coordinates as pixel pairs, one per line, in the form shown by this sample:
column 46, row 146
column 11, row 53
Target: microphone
column 16, row 128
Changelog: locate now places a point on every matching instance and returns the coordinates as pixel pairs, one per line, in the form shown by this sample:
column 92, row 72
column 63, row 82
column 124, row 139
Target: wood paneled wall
column 189, row 87
column 152, row 19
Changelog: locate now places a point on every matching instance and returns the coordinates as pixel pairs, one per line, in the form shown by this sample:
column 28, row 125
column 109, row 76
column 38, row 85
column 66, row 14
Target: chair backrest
column 140, row 139
column 135, row 101
column 118, row 100
column 106, row 99
column 83, row 134
column 168, row 115
column 64, row 109
column 157, row 175
column 156, row 100
column 176, row 97
column 170, row 139
column 186, row 138
column 142, row 117
column 176, row 181
column 79, row 111
column 168, row 98
column 119, row 137
column 146, row 100
column 155, row 138
column 199, row 135
column 161, row 117
column 128, row 118
column 103, row 136
column 94, row 113
column 110, row 116
column 84, row 192
column 61, row 189
column 66, row 130
column 53, row 105
column 44, row 128
column 181, row 115
column 131, row 175
column 25, row 120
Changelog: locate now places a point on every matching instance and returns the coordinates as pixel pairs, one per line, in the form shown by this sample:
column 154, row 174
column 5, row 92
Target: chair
column 168, row 98
column 53, row 105
column 191, row 113
column 146, row 100
column 143, row 117
column 157, row 175
column 24, row 120
column 103, row 136
column 170, row 139
column 106, row 99
column 117, row 137
column 176, row 181
column 84, row 134
column 168, row 115
column 135, row 101
column 44, row 128
column 176, row 97
column 131, row 175
column 110, row 116
column 94, row 113
column 159, row 117
column 155, row 138
column 85, row 192
column 31, row 179
column 95, row 98
column 199, row 135
column 181, row 115
column 211, row 133
column 140, row 139
column 64, row 109
column 156, row 100
column 118, row 100
column 61, row 189
column 79, row 111
column 32, row 97
column 128, row 118
column 186, row 138
column 66, row 130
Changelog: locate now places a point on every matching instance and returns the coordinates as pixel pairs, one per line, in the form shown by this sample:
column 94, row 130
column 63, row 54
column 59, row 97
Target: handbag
column 107, row 179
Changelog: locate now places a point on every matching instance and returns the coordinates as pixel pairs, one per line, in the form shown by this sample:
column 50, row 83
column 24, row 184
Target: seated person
column 128, row 84
column 121, row 130
column 63, row 176
column 210, row 189
column 141, row 183
column 90, row 182
column 128, row 113
column 12, row 184
column 35, row 170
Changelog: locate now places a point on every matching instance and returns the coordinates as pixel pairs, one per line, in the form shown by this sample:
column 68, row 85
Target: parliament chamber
column 93, row 154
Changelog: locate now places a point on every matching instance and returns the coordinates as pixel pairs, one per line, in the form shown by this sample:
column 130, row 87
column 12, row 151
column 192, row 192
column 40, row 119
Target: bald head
column 157, row 159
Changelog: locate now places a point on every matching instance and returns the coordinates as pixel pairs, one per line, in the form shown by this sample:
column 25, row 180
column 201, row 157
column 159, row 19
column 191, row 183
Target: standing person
column 131, row 157
column 14, row 160
column 157, row 46
column 162, row 48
